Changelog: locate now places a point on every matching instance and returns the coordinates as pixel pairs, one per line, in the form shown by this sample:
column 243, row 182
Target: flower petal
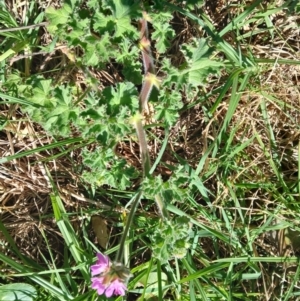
column 97, row 269
column 116, row 287
column 97, row 284
column 100, row 291
column 109, row 291
column 101, row 265
column 102, row 259
column 120, row 290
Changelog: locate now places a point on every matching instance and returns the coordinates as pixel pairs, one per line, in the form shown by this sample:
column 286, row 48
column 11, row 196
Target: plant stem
column 149, row 81
column 143, row 146
column 120, row 253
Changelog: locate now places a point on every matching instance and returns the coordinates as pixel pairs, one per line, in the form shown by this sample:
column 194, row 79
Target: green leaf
column 56, row 112
column 123, row 25
column 91, row 58
column 150, row 281
column 132, row 72
column 122, row 13
column 197, row 68
column 58, row 16
column 41, row 89
column 17, row 292
column 124, row 94
column 58, row 119
column 97, row 50
column 103, row 23
column 106, row 169
column 171, row 239
column 123, row 8
column 80, row 28
column 104, row 48
column 93, row 3
column 63, row 95
column 169, row 103
column 163, row 32
column 129, row 57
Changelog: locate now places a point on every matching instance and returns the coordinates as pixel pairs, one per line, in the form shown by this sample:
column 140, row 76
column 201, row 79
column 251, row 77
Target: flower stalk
column 110, row 278
column 120, row 253
column 150, row 81
column 145, row 157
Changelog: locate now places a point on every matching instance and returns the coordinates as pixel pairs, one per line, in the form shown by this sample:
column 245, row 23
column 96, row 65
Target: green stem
column 146, row 164
column 120, row 253
column 161, row 206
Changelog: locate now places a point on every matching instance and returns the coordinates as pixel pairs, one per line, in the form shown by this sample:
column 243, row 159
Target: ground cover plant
column 149, row 150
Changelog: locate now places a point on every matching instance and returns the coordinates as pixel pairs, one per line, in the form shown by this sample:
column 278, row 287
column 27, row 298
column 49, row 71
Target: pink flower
column 97, row 284
column 112, row 277
column 116, row 287
column 101, row 266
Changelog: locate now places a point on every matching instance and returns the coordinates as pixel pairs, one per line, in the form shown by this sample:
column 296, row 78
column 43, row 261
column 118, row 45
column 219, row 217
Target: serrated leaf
column 40, row 92
column 132, row 72
column 57, row 117
column 79, row 29
column 197, row 68
column 129, row 57
column 198, row 52
column 93, row 3
column 123, row 8
column 102, row 23
column 97, row 50
column 58, row 16
column 200, row 70
column 90, row 58
column 107, row 169
column 123, row 95
column 169, row 103
column 122, row 13
column 42, row 85
column 104, row 49
column 92, row 113
column 123, row 25
column 200, row 66
column 63, row 95
column 163, row 34
column 58, row 111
